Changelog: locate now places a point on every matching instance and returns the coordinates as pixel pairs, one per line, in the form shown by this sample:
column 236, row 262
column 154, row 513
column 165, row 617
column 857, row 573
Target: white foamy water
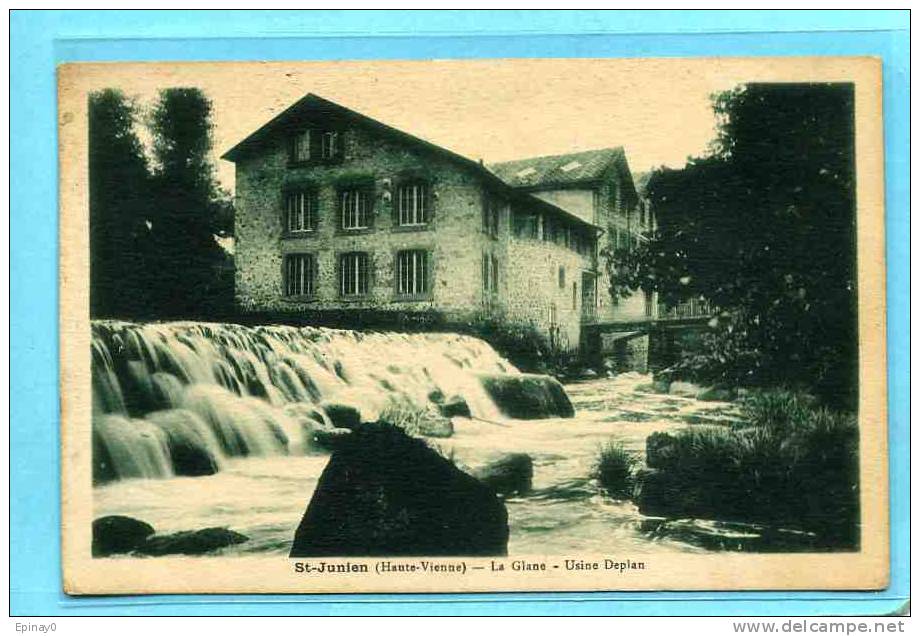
column 245, row 393
column 185, row 398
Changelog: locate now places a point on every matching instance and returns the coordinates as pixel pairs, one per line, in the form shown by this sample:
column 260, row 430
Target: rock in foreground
column 191, row 542
column 385, row 493
column 116, row 534
column 528, row 396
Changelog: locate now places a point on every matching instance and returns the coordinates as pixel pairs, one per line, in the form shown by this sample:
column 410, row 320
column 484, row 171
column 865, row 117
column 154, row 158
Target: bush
column 614, row 470
column 790, row 463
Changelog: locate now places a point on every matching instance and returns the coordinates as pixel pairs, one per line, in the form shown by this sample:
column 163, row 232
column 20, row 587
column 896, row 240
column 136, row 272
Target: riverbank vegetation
column 789, row 463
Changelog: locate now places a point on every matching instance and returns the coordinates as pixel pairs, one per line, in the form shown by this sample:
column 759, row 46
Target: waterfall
column 182, row 398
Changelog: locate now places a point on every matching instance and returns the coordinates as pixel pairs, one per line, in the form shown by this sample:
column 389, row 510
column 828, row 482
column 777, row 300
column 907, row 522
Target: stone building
column 338, row 211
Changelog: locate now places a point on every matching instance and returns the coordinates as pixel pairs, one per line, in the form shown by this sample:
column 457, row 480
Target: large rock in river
column 116, row 534
column 528, row 396
column 455, row 406
column 385, row 493
column 508, row 475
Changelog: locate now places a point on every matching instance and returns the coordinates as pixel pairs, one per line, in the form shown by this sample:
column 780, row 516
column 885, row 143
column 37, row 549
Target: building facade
column 335, row 210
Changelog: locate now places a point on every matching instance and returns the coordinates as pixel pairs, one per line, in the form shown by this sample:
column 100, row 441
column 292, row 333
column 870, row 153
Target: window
column 574, row 296
column 300, row 146
column 562, row 235
column 355, row 209
column 412, row 204
column 547, row 228
column 300, row 211
column 329, row 144
column 412, row 273
column 525, row 224
column 299, row 275
column 491, row 213
column 354, row 274
column 489, row 274
column 561, row 277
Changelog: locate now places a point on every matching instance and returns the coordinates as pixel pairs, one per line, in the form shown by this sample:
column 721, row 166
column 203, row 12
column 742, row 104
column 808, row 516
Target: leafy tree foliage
column 153, row 227
column 189, row 205
column 764, row 228
column 119, row 197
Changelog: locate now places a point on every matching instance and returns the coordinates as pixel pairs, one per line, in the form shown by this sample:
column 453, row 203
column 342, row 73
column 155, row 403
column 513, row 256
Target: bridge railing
column 692, row 308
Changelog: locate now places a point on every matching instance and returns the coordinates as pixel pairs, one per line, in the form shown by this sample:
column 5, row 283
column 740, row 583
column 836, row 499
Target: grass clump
column 615, row 470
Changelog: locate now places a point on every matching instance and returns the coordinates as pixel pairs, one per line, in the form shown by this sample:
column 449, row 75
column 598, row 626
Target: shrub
column 776, row 410
column 614, row 470
column 791, row 463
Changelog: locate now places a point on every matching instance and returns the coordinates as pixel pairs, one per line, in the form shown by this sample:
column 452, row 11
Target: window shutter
column 316, row 144
column 369, row 204
column 339, row 145
column 429, row 201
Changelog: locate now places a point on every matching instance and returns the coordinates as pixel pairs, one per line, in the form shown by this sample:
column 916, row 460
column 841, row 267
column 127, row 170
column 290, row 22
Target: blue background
column 41, row 40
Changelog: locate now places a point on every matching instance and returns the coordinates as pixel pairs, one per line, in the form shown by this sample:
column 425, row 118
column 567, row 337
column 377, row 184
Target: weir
column 182, row 398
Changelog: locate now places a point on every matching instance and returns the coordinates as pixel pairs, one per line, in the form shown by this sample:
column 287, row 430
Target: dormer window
column 329, row 144
column 300, row 147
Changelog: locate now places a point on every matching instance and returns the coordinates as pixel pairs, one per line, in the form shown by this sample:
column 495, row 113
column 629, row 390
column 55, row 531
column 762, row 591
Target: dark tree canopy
column 153, row 227
column 119, row 200
column 188, row 205
column 764, row 228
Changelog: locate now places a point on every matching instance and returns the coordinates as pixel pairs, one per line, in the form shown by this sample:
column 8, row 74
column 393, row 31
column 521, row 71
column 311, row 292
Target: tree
column 764, row 227
column 190, row 208
column 119, row 199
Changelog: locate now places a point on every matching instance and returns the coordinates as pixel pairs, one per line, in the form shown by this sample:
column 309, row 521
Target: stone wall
column 535, row 295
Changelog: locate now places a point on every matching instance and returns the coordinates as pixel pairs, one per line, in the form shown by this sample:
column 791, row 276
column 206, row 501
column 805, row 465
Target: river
column 263, row 495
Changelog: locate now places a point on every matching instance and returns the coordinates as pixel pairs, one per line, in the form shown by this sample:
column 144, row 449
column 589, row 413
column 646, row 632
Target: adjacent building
column 338, row 211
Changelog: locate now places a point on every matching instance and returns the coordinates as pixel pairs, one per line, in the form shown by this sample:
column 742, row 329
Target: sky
column 659, row 110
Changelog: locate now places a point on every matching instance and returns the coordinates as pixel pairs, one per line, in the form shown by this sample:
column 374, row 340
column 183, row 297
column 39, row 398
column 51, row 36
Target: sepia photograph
column 532, row 324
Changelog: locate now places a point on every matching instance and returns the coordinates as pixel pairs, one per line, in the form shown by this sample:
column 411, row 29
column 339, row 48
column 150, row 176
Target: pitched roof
column 555, row 170
column 313, row 105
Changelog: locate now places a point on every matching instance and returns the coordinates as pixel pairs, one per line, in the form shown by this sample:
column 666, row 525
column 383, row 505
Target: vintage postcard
column 467, row 326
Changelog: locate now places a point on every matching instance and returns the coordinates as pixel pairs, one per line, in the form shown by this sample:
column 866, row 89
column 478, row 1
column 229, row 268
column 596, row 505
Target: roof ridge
column 612, row 149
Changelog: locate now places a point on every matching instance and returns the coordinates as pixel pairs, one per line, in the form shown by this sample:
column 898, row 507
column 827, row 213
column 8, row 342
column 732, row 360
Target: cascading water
column 236, row 408
column 182, row 398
